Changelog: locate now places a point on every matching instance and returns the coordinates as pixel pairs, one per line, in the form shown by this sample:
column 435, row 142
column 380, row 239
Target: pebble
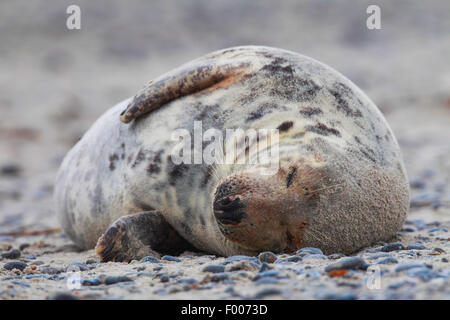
column 264, row 267
column 309, row 250
column 267, row 292
column 268, row 257
column 76, row 266
column 90, row 261
column 269, row 273
column 214, row 268
column 388, row 260
column 240, row 258
column 217, row 277
column 64, row 296
column 91, row 282
column 438, row 229
column 151, row 259
column 352, row 263
column 394, row 246
column 401, row 284
column 113, row 279
column 171, row 258
column 187, row 281
column 11, row 254
column 23, row 246
column 289, row 259
column 416, row 246
column 336, row 256
column 164, row 278
column 30, row 257
column 15, row 265
column 10, row 169
column 424, row 273
column 407, row 266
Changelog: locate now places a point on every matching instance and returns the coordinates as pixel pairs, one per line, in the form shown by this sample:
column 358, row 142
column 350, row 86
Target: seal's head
column 267, row 212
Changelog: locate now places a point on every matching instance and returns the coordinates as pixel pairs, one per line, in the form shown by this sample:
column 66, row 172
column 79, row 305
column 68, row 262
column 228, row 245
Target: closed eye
column 290, row 177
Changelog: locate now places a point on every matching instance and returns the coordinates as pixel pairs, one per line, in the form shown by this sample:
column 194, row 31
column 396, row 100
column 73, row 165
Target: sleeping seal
column 340, row 182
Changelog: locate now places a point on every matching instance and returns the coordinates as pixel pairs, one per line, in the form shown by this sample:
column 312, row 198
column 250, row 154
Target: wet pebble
column 388, row 260
column 352, row 263
column 151, row 259
column 64, row 296
column 10, row 170
column 91, row 282
column 113, row 279
column 407, row 266
column 15, row 265
column 240, row 258
column 309, row 250
column 171, row 258
column 11, row 254
column 394, row 246
column 264, row 274
column 217, row 277
column 416, row 246
column 268, row 257
column 213, row 268
column 187, row 281
column 164, row 278
column 438, row 229
column 76, row 266
column 267, row 292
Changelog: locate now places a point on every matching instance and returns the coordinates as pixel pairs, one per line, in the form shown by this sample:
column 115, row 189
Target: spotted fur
column 341, row 183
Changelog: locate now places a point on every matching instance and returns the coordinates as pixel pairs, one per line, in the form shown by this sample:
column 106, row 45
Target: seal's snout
column 229, row 210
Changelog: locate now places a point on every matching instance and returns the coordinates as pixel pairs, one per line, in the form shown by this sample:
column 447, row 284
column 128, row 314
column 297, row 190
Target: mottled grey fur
column 118, row 169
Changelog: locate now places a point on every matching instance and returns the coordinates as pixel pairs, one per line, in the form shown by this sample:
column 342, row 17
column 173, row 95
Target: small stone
column 269, row 273
column 242, row 265
column 187, row 281
column 415, row 246
column 64, row 296
column 91, row 282
column 266, row 280
column 407, row 266
column 308, row 256
column 217, row 277
column 267, row 292
column 240, row 258
column 424, row 273
column 11, row 254
column 336, row 256
column 439, row 250
column 444, row 260
column 394, row 246
column 171, row 258
column 267, row 256
column 15, row 265
column 417, row 183
column 309, row 250
column 388, row 260
column 438, row 229
column 50, row 270
column 30, row 257
column 352, row 263
column 264, row 267
column 113, row 279
column 213, row 268
column 164, row 278
column 151, row 259
column 23, row 246
column 11, row 170
column 76, row 266
column 90, row 261
column 289, row 259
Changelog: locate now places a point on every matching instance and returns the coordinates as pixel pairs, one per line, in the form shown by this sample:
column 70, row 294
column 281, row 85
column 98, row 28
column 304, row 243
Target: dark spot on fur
column 112, row 159
column 275, row 66
column 285, row 126
column 176, row 172
column 142, row 205
column 263, row 109
column 357, row 139
column 139, row 158
column 290, row 177
column 206, row 177
column 322, row 129
column 298, row 135
column 340, row 91
column 153, row 168
column 310, row 111
column 202, row 220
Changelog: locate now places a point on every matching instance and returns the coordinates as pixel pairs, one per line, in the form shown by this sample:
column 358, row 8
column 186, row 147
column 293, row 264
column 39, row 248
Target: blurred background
column 55, row 82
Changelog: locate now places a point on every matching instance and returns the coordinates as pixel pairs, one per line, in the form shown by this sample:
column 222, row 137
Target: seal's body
column 341, row 184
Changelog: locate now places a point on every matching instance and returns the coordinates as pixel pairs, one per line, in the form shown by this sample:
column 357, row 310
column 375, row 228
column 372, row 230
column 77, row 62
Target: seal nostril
column 228, row 211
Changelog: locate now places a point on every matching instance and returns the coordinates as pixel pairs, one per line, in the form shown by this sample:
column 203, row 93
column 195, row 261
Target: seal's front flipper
column 190, row 78
column 139, row 235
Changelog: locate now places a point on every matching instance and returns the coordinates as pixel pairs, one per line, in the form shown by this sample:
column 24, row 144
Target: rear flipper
column 139, row 235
